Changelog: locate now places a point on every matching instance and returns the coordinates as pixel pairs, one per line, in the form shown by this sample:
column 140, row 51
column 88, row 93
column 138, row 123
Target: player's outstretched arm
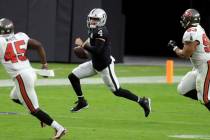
column 34, row 44
column 187, row 51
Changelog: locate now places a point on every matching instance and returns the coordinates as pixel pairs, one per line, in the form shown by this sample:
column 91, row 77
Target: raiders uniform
column 100, row 51
column 101, row 63
column 101, row 60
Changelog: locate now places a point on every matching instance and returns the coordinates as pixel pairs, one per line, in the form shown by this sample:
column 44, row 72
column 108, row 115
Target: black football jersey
column 100, row 50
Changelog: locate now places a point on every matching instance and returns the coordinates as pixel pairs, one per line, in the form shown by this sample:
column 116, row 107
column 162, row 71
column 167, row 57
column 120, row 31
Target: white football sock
column 56, row 125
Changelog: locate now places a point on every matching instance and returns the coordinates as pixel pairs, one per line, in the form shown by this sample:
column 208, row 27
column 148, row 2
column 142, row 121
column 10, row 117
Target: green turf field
column 108, row 117
column 62, row 70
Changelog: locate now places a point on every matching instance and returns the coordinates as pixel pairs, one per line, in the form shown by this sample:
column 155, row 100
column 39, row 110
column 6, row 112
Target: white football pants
column 24, row 90
column 108, row 74
column 198, row 79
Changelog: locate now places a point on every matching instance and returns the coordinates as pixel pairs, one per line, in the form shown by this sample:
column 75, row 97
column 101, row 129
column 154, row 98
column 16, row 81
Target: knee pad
column 190, row 94
column 180, row 90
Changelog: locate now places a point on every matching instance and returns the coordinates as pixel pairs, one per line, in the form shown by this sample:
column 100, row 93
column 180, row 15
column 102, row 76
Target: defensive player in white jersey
column 13, row 49
column 195, row 84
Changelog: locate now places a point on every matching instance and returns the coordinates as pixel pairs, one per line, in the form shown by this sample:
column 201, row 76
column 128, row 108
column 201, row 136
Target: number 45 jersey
column 202, row 52
column 13, row 53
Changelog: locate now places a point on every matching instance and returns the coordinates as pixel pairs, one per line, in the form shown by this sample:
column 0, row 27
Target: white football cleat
column 59, row 133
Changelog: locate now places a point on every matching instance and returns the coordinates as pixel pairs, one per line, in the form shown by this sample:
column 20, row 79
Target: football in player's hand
column 81, row 52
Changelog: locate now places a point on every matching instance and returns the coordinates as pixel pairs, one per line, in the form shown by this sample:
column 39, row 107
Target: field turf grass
column 108, row 117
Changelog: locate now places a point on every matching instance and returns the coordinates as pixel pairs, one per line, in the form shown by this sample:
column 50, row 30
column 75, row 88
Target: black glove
column 172, row 45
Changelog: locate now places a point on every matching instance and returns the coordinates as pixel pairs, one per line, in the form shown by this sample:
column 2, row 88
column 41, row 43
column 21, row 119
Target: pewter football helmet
column 6, row 26
column 191, row 17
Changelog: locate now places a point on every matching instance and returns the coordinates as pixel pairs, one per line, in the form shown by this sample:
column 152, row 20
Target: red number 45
column 10, row 54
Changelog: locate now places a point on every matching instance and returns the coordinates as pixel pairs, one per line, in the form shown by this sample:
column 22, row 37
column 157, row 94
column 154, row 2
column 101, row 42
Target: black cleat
column 81, row 104
column 145, row 103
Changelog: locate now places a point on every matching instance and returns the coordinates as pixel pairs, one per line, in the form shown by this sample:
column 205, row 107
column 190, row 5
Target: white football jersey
column 13, row 53
column 202, row 52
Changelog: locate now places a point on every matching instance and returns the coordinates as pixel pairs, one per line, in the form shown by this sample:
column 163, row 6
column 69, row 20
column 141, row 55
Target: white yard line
column 126, row 80
column 191, row 136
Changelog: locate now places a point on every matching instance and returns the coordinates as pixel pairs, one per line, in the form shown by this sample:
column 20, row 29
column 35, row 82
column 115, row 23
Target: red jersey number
column 206, row 43
column 205, row 40
column 10, row 55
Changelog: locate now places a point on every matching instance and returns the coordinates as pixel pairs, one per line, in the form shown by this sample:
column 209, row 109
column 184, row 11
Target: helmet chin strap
column 185, row 25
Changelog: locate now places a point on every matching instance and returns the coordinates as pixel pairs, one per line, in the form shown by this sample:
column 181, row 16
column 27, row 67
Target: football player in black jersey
column 102, row 63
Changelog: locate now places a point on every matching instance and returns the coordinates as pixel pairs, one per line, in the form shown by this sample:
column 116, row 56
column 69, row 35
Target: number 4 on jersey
column 10, row 54
column 100, row 32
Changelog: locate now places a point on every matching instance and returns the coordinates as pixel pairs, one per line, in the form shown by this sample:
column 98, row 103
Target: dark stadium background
column 151, row 24
column 140, row 28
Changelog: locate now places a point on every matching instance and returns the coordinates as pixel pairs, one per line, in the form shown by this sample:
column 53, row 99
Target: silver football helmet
column 96, row 18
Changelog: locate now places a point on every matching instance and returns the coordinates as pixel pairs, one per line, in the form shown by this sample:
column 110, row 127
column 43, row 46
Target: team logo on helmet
column 96, row 18
column 191, row 17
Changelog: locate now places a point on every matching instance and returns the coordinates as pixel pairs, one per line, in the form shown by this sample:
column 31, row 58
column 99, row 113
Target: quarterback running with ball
column 102, row 63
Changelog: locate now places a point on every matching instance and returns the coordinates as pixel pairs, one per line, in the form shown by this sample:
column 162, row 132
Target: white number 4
column 100, row 32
